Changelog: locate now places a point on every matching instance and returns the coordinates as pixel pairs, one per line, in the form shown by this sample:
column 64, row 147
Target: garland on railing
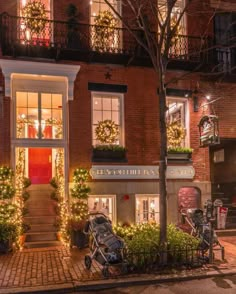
column 105, row 24
column 35, row 16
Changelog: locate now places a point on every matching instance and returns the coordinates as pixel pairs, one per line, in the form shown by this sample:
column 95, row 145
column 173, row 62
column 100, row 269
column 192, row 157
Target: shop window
column 147, row 209
column 107, row 107
column 38, row 115
column 104, row 204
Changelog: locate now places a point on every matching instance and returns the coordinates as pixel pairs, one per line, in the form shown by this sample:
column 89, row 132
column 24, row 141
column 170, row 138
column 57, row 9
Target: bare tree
column 154, row 18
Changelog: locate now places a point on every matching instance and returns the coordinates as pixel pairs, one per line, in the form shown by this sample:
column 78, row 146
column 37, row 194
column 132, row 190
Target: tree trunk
column 163, row 161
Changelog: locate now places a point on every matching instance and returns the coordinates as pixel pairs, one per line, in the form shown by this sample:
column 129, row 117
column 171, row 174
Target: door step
column 41, row 236
column 41, row 244
column 226, row 232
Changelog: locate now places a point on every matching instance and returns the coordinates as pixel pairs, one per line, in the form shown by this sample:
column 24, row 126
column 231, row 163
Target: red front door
column 40, row 165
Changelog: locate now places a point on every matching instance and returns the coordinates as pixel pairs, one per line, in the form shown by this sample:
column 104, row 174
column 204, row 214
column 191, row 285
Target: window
column 178, row 113
column 179, row 6
column 219, row 156
column 225, row 32
column 147, row 209
column 178, row 44
column 35, row 32
column 107, row 107
column 104, row 204
column 102, row 38
column 39, row 115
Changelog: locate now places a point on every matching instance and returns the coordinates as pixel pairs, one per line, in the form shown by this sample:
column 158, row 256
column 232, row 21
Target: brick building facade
column 126, row 189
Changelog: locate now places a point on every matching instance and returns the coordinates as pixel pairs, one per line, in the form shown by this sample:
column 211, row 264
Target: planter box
column 79, row 239
column 179, row 156
column 5, row 246
column 109, row 156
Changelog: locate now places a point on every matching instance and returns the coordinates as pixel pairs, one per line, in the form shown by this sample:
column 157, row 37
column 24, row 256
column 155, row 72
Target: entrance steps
column 41, row 217
column 226, row 232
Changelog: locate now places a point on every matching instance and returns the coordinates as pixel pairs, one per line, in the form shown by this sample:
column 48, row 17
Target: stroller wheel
column 105, row 272
column 87, row 261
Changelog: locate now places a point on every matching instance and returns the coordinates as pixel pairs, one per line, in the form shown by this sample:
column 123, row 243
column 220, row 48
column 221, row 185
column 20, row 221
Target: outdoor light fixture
column 208, row 97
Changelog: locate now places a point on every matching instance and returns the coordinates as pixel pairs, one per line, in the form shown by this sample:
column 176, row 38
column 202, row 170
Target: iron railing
column 156, row 260
column 17, row 35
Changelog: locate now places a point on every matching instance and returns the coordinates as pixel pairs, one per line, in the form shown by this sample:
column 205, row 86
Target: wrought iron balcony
column 62, row 40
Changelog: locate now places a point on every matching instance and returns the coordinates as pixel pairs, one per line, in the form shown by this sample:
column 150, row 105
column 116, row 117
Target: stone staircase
column 41, row 217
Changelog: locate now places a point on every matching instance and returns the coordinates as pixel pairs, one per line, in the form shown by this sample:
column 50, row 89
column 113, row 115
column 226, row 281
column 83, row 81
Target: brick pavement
column 48, row 268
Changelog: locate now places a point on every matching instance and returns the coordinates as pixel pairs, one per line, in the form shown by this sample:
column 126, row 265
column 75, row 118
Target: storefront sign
column 100, row 172
column 209, row 130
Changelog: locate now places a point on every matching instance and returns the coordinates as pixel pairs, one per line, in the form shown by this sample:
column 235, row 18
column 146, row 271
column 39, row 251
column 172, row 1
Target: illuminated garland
column 79, row 193
column 35, row 16
column 105, row 25
column 58, row 125
column 107, row 131
column 175, row 134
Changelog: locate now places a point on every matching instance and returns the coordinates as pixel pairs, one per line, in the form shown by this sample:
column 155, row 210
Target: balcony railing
column 57, row 39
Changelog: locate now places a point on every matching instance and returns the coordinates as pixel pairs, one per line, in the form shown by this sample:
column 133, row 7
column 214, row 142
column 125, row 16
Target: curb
column 115, row 283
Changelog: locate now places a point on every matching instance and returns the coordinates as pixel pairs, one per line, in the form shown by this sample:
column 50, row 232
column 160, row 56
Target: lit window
column 147, row 209
column 31, row 31
column 105, row 39
column 107, row 107
column 177, row 114
column 39, row 115
column 103, row 204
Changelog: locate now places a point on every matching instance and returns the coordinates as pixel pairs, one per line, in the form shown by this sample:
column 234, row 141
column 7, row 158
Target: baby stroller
column 200, row 228
column 106, row 248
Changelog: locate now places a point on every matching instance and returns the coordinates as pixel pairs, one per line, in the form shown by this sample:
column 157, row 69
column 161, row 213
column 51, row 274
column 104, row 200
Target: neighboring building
column 61, row 77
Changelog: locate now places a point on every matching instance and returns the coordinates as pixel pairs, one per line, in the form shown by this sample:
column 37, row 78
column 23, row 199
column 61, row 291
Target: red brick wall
column 4, row 127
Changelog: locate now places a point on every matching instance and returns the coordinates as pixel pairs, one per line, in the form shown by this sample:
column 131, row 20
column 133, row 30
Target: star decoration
column 108, row 75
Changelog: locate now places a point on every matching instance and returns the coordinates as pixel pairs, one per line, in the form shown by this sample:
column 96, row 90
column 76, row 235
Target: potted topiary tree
column 79, row 207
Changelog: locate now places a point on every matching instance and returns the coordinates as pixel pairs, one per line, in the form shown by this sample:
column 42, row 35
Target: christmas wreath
column 175, row 134
column 107, row 131
column 105, row 25
column 35, row 16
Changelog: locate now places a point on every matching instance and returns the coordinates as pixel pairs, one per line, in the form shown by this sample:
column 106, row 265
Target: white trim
column 39, row 70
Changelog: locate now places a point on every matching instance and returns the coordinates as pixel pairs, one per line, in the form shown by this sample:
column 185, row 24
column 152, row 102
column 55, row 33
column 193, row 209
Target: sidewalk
column 61, row 270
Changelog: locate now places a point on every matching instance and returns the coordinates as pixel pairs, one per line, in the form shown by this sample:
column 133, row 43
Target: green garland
column 107, row 131
column 35, row 16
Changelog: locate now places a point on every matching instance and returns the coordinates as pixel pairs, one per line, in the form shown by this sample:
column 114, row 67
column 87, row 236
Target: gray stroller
column 105, row 247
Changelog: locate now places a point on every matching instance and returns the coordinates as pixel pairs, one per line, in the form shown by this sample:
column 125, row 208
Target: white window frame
column 113, row 204
column 148, row 196
column 186, row 116
column 121, row 126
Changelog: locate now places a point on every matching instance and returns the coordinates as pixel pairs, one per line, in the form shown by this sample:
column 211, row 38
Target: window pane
column 106, row 103
column 56, row 101
column 21, row 99
column 97, row 103
column 46, row 100
column 32, row 99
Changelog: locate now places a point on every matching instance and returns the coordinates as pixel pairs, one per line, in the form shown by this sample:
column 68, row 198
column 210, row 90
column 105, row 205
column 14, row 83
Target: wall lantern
column 209, row 130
